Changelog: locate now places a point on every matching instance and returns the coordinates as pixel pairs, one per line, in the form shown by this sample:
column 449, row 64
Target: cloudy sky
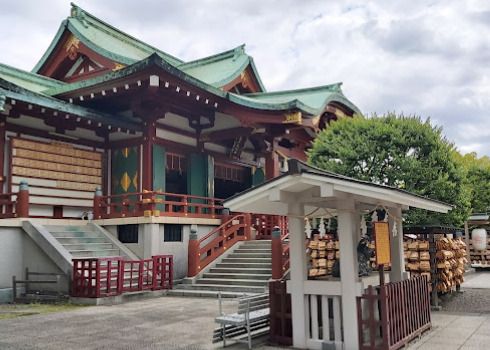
column 430, row 58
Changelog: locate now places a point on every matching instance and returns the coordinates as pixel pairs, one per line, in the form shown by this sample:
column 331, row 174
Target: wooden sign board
column 382, row 242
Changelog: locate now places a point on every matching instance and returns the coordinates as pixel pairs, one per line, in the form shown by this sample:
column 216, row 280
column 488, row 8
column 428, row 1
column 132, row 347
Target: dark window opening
column 172, row 233
column 224, row 188
column 127, row 233
column 176, row 182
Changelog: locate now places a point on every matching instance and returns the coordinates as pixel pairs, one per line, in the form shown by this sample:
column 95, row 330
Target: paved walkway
column 174, row 323
column 164, row 323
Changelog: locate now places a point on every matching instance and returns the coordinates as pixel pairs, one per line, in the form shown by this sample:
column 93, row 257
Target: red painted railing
column 393, row 314
column 137, row 275
column 103, row 277
column 155, row 203
column 280, row 253
column 265, row 224
column 203, row 251
column 7, row 205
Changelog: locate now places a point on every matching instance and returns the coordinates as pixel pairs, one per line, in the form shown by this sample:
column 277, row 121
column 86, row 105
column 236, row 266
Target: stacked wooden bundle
column 417, row 258
column 323, row 253
column 451, row 258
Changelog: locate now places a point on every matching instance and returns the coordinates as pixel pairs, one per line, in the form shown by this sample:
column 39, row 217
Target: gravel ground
column 469, row 301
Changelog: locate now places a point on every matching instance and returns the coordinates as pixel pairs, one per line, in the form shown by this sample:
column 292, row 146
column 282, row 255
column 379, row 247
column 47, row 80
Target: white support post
column 348, row 222
column 297, row 256
column 151, row 240
column 396, row 246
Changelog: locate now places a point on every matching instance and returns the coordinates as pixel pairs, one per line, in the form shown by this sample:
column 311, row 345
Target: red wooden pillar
column 22, row 204
column 149, row 136
column 276, row 247
column 193, row 257
column 271, row 165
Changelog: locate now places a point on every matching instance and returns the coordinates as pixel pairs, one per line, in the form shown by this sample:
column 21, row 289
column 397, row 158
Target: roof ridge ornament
column 78, row 13
column 238, row 51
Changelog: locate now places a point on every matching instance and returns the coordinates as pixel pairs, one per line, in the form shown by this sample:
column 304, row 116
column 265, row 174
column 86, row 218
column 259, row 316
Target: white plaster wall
column 37, row 261
column 177, row 249
column 18, row 251
column 11, row 255
column 136, row 248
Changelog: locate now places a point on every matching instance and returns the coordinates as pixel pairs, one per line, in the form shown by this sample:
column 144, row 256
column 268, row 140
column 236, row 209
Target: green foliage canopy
column 399, row 151
column 477, row 180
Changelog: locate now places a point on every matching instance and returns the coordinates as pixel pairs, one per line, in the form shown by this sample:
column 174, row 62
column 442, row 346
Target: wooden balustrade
column 392, row 315
column 206, row 249
column 155, row 203
column 103, row 277
column 265, row 224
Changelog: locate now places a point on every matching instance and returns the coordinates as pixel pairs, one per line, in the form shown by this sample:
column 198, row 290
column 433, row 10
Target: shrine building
column 110, row 146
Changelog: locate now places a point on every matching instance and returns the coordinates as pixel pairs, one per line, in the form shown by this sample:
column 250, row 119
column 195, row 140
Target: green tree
column 477, row 179
column 400, row 151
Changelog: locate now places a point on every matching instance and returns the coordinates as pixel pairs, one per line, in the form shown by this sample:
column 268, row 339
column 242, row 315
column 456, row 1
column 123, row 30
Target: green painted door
column 200, row 176
column 124, row 170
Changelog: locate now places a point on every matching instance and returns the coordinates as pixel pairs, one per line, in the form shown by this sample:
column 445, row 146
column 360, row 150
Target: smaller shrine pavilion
column 304, row 192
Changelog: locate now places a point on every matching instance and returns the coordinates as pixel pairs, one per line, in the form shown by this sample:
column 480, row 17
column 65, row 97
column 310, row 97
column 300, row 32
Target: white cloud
column 421, row 57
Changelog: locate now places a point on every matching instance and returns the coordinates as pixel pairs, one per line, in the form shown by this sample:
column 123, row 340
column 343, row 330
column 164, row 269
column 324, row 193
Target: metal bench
column 252, row 316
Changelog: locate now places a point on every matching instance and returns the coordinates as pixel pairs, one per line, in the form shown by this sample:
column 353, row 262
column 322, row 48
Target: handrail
column 9, row 208
column 206, row 249
column 156, row 203
column 110, row 276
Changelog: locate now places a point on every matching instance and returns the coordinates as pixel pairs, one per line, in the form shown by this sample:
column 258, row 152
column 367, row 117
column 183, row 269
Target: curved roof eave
column 154, row 58
column 248, row 62
column 293, row 103
column 51, row 47
column 19, row 93
column 245, row 101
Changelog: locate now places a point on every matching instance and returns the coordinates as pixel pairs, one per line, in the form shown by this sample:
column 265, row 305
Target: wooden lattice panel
column 57, row 173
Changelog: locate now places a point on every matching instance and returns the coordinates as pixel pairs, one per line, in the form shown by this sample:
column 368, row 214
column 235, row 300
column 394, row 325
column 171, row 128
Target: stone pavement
column 174, row 323
column 479, row 279
column 163, row 323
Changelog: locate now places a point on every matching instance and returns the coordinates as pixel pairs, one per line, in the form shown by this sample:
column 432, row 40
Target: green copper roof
column 30, row 81
column 221, row 69
column 217, row 70
column 310, row 100
column 19, row 93
column 104, row 39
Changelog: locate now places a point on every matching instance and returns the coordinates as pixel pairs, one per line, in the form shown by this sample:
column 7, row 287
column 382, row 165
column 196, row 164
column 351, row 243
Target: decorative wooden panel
column 57, row 173
column 125, row 170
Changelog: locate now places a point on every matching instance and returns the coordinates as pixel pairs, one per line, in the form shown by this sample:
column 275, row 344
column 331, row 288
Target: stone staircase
column 84, row 241
column 244, row 270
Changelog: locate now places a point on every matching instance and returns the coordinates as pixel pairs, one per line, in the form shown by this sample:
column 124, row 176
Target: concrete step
column 222, row 288
column 257, row 244
column 252, row 250
column 232, row 260
column 204, row 293
column 63, row 228
column 237, row 255
column 75, row 234
column 242, row 276
column 246, row 270
column 87, row 246
column 227, row 264
column 69, row 240
column 231, row 282
column 94, row 253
